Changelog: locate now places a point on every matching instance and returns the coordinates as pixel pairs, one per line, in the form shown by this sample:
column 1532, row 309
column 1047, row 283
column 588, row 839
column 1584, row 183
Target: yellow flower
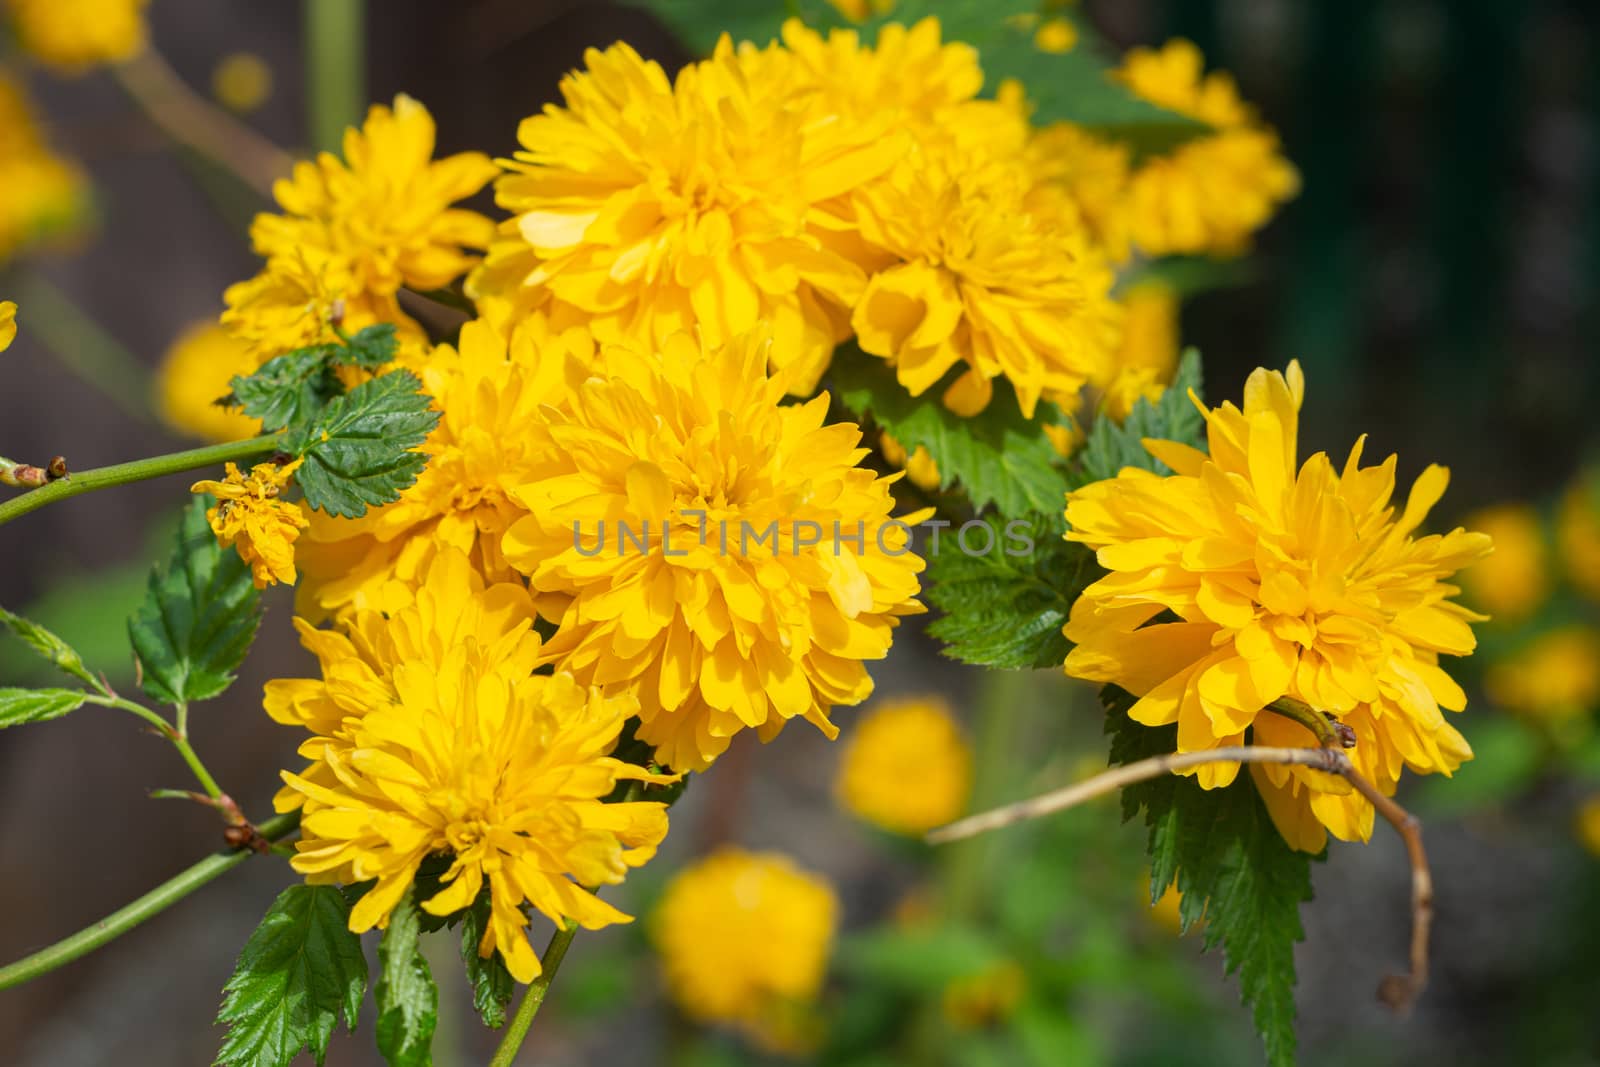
column 1245, row 577
column 447, row 607
column 367, row 225
column 781, row 569
column 1556, row 677
column 506, row 772
column 242, row 82
column 982, row 278
column 294, row 302
column 920, row 467
column 986, row 998
column 249, row 516
column 1149, row 355
column 906, row 767
column 8, row 324
column 744, row 938
column 1578, row 533
column 1165, row 912
column 1589, row 824
column 1511, row 584
column 654, row 206
column 490, row 439
column 194, row 375
column 74, row 35
column 45, row 197
column 1058, row 36
column 1094, row 173
column 1212, row 192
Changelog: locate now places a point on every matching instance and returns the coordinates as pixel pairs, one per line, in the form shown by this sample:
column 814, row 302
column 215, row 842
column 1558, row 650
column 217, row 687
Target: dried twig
column 1397, row 991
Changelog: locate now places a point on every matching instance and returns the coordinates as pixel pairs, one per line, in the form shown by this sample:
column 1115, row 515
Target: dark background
column 1439, row 278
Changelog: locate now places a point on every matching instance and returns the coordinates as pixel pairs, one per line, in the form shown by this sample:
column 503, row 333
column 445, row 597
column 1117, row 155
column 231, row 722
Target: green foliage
column 1231, row 866
column 408, row 1001
column 198, row 618
column 290, row 390
column 492, row 984
column 299, row 974
column 358, row 450
column 1110, row 447
column 921, row 960
column 19, row 706
column 997, row 456
column 48, row 645
column 1006, row 610
column 371, row 348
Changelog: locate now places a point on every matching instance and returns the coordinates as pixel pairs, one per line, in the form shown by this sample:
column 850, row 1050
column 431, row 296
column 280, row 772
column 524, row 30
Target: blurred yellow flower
column 490, row 439
column 780, row 569
column 448, row 606
column 1589, row 824
column 920, row 467
column 8, row 324
column 906, row 766
column 1094, row 173
column 249, row 516
column 1578, row 534
column 194, row 375
column 242, row 82
column 1555, row 677
column 74, row 35
column 45, row 197
column 1165, row 911
column 1058, row 36
column 365, row 226
column 1213, row 191
column 505, row 772
column 1512, row 582
column 1279, row 580
column 1148, row 357
column 744, row 939
column 987, row 998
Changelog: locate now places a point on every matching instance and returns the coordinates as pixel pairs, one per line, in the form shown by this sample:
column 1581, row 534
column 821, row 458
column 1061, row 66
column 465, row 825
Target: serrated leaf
column 1230, row 865
column 289, row 389
column 19, row 706
column 60, row 654
column 997, row 456
column 1110, row 447
column 301, row 972
column 358, row 451
column 492, row 984
column 199, row 616
column 1006, row 608
column 408, row 1000
column 372, row 347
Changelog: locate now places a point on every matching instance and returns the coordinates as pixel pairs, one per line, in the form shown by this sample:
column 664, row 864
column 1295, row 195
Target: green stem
column 336, row 75
column 152, row 903
column 83, row 347
column 137, row 471
column 1001, row 693
column 549, row 964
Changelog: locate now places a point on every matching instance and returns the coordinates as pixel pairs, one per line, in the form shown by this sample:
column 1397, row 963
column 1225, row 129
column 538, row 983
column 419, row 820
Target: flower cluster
column 355, row 231
column 45, row 195
column 1244, row 577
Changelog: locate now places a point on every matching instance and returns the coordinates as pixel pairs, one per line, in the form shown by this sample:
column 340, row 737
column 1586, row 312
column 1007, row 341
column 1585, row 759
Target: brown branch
column 194, row 122
column 1399, row 992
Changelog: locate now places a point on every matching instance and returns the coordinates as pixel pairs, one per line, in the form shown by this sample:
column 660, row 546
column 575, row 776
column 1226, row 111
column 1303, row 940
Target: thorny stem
column 152, row 903
column 136, row 471
column 549, row 964
column 1399, row 992
column 194, row 122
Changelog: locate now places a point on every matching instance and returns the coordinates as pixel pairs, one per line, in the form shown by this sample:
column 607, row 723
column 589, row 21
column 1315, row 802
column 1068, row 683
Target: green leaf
column 1006, row 608
column 492, row 984
column 358, row 450
column 372, row 347
column 997, row 456
column 299, row 974
column 52, row 648
column 1231, row 866
column 1110, row 447
column 408, row 1001
column 289, row 389
column 199, row 616
column 19, row 706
